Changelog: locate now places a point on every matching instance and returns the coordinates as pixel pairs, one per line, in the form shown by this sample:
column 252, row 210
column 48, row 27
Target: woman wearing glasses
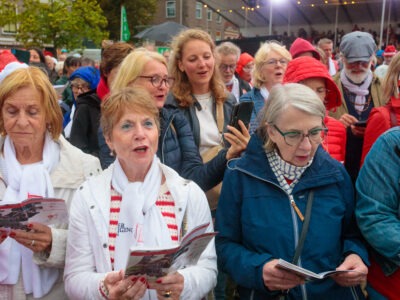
column 270, row 64
column 314, row 74
column 286, row 198
column 176, row 148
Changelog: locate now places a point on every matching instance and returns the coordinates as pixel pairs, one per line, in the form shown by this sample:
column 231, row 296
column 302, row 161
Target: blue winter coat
column 256, row 224
column 177, row 149
column 255, row 96
column 378, row 203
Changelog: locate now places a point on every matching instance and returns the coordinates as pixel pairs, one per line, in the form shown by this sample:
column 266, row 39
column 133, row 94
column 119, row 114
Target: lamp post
column 270, row 17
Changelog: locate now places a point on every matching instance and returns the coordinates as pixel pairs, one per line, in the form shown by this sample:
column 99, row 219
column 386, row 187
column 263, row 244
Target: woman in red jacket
column 312, row 73
column 382, row 118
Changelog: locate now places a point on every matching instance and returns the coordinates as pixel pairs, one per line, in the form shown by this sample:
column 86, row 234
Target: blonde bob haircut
column 392, row 78
column 182, row 89
column 261, row 57
column 125, row 100
column 37, row 79
column 132, row 66
column 282, row 97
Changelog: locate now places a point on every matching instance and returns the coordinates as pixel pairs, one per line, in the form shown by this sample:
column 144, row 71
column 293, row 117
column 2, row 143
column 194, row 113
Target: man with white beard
column 361, row 91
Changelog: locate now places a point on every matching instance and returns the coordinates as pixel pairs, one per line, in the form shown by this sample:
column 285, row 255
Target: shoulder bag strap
column 220, row 115
column 304, row 230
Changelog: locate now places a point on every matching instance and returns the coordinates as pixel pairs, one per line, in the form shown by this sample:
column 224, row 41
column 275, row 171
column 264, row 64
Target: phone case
column 241, row 111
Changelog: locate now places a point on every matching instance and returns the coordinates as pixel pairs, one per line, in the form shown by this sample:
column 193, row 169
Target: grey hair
column 280, row 99
column 228, row 48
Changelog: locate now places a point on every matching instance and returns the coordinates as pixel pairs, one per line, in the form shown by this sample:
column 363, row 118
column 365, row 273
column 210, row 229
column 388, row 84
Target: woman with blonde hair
column 177, row 149
column 35, row 161
column 270, row 63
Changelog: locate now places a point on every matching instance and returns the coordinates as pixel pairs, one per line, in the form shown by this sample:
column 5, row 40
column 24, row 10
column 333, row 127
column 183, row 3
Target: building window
column 9, row 29
column 199, row 10
column 209, row 14
column 219, row 18
column 170, row 9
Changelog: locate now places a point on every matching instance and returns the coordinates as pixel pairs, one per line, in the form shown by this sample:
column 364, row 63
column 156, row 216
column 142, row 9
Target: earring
column 112, row 153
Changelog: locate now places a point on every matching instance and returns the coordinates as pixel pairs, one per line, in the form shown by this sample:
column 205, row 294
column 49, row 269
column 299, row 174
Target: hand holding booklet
column 157, row 262
column 307, row 274
column 46, row 211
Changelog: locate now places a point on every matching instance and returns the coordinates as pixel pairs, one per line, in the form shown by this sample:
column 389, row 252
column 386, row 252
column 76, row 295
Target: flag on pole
column 125, row 33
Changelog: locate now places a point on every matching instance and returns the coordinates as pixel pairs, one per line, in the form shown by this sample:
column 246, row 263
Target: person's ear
column 180, row 66
column 271, row 132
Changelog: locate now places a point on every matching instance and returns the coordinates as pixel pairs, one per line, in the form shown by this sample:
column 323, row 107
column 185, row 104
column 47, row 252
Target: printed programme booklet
column 46, row 211
column 157, row 262
column 307, row 274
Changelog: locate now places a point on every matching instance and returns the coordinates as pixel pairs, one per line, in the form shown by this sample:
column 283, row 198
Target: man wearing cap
column 361, row 91
column 388, row 54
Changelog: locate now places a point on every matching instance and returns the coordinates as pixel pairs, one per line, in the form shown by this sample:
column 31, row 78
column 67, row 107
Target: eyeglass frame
column 80, row 87
column 284, row 134
column 225, row 67
column 274, row 62
column 168, row 81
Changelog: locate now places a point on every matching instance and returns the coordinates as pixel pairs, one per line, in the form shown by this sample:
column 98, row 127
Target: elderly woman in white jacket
column 149, row 200
column 35, row 161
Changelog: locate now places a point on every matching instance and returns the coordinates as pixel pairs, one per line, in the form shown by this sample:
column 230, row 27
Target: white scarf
column 264, row 92
column 140, row 221
column 23, row 181
column 361, row 91
column 235, row 87
column 332, row 67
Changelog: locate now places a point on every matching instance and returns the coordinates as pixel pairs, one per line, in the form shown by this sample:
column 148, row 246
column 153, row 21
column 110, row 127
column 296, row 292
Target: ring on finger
column 167, row 294
column 33, row 243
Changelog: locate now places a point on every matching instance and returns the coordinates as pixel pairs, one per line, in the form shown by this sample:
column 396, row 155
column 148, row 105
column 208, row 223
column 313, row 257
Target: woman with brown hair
column 200, row 93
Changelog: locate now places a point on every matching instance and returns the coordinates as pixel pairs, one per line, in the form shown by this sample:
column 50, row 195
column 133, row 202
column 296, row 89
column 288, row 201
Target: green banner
column 125, row 33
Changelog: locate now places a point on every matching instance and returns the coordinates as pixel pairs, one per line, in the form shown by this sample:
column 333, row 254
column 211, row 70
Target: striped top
column 164, row 202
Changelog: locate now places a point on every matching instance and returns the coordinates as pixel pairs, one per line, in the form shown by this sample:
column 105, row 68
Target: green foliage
column 139, row 13
column 63, row 23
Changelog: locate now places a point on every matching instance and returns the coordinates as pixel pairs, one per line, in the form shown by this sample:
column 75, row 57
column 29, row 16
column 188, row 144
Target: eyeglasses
column 322, row 90
column 248, row 68
column 225, row 67
column 294, row 138
column 274, row 62
column 157, row 80
column 78, row 87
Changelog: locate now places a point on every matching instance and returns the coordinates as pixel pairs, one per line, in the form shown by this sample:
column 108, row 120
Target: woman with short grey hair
column 286, row 198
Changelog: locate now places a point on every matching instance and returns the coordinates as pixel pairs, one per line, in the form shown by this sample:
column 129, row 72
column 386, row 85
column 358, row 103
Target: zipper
column 164, row 137
column 294, row 219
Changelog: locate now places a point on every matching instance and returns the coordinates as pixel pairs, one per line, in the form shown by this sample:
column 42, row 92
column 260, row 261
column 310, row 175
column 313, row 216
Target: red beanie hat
column 244, row 59
column 300, row 46
column 6, row 57
column 305, row 67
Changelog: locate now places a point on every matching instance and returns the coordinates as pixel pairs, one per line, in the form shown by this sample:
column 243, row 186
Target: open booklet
column 157, row 262
column 307, row 274
column 46, row 211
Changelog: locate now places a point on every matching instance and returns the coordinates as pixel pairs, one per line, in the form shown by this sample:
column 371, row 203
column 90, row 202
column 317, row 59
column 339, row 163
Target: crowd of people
column 142, row 150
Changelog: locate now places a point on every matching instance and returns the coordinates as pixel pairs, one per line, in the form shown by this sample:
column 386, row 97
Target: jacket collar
column 323, row 170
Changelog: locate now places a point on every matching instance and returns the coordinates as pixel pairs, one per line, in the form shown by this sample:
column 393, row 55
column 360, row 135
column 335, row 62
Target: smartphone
column 361, row 123
column 241, row 111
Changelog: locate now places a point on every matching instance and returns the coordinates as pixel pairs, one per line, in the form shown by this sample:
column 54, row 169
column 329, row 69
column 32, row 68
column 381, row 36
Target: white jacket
column 88, row 257
column 72, row 170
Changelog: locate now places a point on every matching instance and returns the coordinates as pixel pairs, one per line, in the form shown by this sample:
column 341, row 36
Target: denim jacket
column 378, row 191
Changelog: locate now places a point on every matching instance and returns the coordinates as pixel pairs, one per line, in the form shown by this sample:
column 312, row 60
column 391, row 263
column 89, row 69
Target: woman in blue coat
column 283, row 183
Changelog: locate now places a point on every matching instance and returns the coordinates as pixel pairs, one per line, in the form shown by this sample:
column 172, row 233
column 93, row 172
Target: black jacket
column 86, row 123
